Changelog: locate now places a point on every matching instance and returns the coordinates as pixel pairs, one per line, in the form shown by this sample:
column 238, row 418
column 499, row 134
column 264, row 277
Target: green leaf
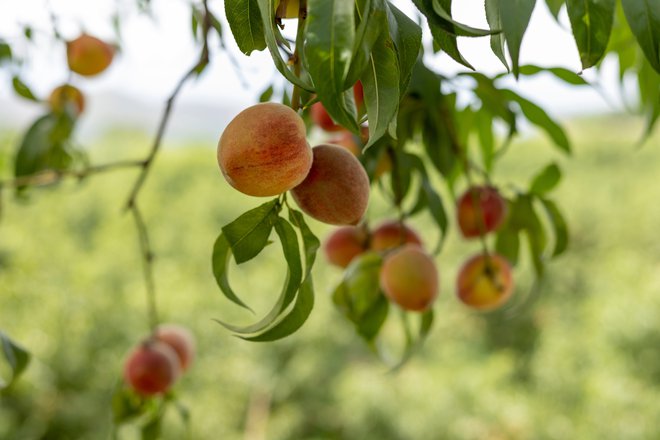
column 16, row 356
column 289, row 242
column 414, row 344
column 555, row 7
column 497, row 41
column 248, row 234
column 152, row 429
column 380, row 82
column 644, row 19
column 220, row 264
column 246, row 24
column 266, row 94
column 649, row 92
column 437, row 211
column 484, row 126
column 443, row 9
column 407, row 37
column 5, row 52
column 563, row 74
column 559, row 225
column 273, row 37
column 537, row 116
column 127, row 405
column 591, row 21
column 330, row 37
column 515, row 16
column 372, row 22
column 441, row 37
column 507, row 243
column 23, row 90
column 546, row 180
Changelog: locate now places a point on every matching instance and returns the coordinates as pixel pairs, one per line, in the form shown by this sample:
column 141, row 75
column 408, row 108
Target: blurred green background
column 577, row 356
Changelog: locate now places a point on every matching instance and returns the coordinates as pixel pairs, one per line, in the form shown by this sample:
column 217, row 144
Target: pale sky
column 159, row 51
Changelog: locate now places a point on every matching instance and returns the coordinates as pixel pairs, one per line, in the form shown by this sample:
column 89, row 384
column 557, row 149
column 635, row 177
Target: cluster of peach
column 157, row 362
column 87, row 56
column 408, row 276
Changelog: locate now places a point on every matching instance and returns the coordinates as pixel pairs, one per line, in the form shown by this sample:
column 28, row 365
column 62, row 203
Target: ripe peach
column 181, row 340
column 65, row 95
column 485, row 282
column 358, row 94
column 392, row 234
column 409, row 278
column 88, row 56
column 480, row 209
column 322, row 118
column 151, row 368
column 336, row 190
column 263, row 151
column 347, row 140
column 287, row 9
column 344, row 244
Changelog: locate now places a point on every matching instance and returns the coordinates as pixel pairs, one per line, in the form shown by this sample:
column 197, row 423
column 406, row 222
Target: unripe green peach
column 64, row 95
column 263, row 151
column 409, row 278
column 180, row 339
column 391, row 234
column 344, row 244
column 151, row 368
column 336, row 190
column 88, row 56
column 485, row 282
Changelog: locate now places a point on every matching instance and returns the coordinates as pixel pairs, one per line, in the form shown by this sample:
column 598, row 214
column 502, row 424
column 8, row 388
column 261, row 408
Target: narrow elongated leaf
column 515, row 16
column 546, row 180
column 507, row 243
column 497, row 41
column 442, row 38
column 380, row 83
column 407, row 37
column 591, row 21
column 220, row 264
column 272, row 36
column 555, row 7
column 537, row 116
column 563, row 74
column 643, row 16
column 5, row 52
column 330, row 37
column 437, row 211
column 248, row 234
column 23, row 90
column 16, row 356
column 246, row 24
column 484, row 123
column 443, row 9
column 372, row 22
column 414, row 344
column 559, row 225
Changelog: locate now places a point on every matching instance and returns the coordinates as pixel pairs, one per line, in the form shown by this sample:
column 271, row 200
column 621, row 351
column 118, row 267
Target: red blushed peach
column 263, row 151
column 181, row 340
column 392, row 234
column 358, row 94
column 344, row 244
column 152, row 368
column 485, row 282
column 336, row 190
column 481, row 209
column 409, row 278
column 88, row 56
column 65, row 95
column 322, row 118
column 347, row 140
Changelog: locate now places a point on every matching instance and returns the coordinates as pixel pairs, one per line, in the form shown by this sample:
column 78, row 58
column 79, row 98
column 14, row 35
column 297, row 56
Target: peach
column 151, row 368
column 66, row 95
column 181, row 340
column 263, row 151
column 88, row 56
column 336, row 190
column 409, row 278
column 322, row 118
column 358, row 94
column 287, row 9
column 347, row 140
column 481, row 209
column 344, row 244
column 485, row 282
column 392, row 234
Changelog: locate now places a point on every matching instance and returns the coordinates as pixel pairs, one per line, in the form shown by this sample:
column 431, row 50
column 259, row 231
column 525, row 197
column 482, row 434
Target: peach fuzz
column 263, row 151
column 336, row 190
column 409, row 278
column 485, row 282
column 344, row 244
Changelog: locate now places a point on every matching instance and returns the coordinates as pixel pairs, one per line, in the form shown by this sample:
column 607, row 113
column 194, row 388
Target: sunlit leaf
column 515, row 16
column 246, row 24
column 591, row 21
column 248, row 234
column 546, row 180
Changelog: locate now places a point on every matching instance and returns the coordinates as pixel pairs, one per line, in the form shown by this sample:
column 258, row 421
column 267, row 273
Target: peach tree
column 359, row 72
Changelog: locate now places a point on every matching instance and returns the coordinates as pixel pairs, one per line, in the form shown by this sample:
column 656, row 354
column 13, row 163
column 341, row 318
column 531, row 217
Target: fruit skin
column 347, row 140
column 492, row 206
column 481, row 290
column 181, row 340
column 358, row 94
column 390, row 234
column 336, row 190
column 88, row 56
column 61, row 96
column 151, row 368
column 287, row 9
column 344, row 244
column 264, row 151
column 322, row 118
column 409, row 278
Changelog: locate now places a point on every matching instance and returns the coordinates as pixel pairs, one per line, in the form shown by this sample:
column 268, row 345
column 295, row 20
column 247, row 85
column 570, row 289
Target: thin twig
column 147, row 260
